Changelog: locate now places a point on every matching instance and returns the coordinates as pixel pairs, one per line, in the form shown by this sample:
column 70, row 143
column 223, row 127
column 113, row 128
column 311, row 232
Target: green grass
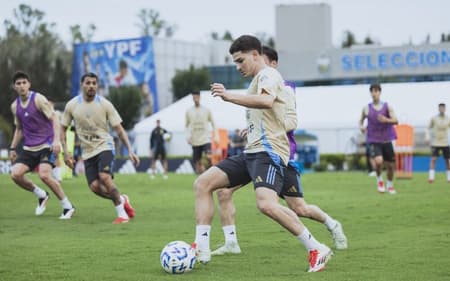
column 401, row 237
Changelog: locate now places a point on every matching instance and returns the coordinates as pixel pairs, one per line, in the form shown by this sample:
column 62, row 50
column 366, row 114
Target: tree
column 368, row 40
column 151, row 24
column 227, row 36
column 78, row 36
column 349, row 39
column 31, row 45
column 265, row 39
column 193, row 79
column 127, row 100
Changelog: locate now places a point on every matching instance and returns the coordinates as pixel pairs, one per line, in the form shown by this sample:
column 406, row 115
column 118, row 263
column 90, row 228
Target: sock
column 57, row 173
column 120, row 210
column 308, row 240
column 389, row 184
column 329, row 222
column 379, row 178
column 65, row 203
column 40, row 193
column 230, row 234
column 202, row 236
column 431, row 175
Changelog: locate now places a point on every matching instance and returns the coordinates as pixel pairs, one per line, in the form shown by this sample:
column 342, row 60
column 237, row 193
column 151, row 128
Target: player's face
column 245, row 62
column 442, row 109
column 375, row 95
column 196, row 99
column 22, row 86
column 89, row 86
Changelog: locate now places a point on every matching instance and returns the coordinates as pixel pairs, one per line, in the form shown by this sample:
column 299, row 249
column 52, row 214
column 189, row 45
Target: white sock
column 202, row 233
column 121, row 211
column 230, row 234
column 379, row 178
column 40, row 193
column 308, row 240
column 448, row 175
column 431, row 175
column 330, row 223
column 57, row 173
column 389, row 184
column 65, row 203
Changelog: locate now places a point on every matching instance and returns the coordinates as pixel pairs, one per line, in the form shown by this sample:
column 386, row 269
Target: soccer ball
column 167, row 136
column 177, row 257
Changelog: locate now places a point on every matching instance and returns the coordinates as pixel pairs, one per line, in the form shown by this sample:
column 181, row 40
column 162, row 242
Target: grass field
column 391, row 237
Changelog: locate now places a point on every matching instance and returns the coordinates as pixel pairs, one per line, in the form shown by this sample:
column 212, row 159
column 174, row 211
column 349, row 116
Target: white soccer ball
column 167, row 136
column 177, row 257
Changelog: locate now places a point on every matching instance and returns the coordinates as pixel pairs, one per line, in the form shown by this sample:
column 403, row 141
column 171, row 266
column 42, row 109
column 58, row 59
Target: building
column 308, row 57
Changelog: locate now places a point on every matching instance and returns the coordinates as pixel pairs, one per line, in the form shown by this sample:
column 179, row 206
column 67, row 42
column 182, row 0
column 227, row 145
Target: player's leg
column 377, row 158
column 434, row 156
column 446, row 154
column 227, row 212
column 268, row 182
column 45, row 174
column 229, row 172
column 26, row 162
column 293, row 195
column 389, row 159
column 164, row 162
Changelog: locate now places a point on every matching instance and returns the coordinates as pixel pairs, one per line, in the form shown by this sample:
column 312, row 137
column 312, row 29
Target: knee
column 224, row 195
column 16, row 175
column 200, row 185
column 265, row 207
column 46, row 177
column 301, row 211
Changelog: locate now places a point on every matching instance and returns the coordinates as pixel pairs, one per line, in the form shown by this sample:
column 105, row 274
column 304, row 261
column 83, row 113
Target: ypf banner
column 117, row 63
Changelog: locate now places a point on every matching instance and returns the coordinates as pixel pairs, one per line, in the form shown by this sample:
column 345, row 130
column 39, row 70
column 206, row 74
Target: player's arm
column 18, row 134
column 188, row 129
column 361, row 120
column 263, row 101
column 428, row 131
column 65, row 123
column 123, row 136
column 392, row 119
column 48, row 110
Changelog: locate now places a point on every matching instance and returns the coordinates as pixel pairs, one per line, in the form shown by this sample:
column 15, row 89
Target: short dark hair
column 89, row 74
column 123, row 64
column 442, row 104
column 271, row 54
column 195, row 93
column 20, row 75
column 375, row 86
column 246, row 43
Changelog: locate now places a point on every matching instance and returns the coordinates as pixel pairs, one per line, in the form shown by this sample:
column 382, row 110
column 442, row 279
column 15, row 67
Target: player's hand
column 68, row 160
column 56, row 148
column 363, row 129
column 382, row 118
column 218, row 90
column 134, row 158
column 12, row 156
column 189, row 140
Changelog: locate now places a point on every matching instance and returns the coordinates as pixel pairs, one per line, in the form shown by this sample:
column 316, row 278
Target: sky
column 390, row 22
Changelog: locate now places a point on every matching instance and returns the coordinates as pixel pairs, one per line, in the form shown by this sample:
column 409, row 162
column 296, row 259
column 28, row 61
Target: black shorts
column 385, row 149
column 292, row 186
column 436, row 150
column 33, row 158
column 159, row 153
column 100, row 163
column 198, row 151
column 260, row 168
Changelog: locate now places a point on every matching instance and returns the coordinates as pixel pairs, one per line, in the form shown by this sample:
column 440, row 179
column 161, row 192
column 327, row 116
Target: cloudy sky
column 391, row 22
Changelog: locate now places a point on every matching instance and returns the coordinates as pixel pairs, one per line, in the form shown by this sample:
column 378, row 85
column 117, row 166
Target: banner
column 118, row 63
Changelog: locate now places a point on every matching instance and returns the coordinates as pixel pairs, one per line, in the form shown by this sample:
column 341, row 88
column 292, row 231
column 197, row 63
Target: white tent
column 332, row 113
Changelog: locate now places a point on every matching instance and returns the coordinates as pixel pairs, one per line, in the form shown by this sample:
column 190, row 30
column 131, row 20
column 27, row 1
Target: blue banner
column 117, row 63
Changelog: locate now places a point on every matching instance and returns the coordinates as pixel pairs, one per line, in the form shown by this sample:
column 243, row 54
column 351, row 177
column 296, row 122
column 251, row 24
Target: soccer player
column 198, row 119
column 158, row 149
column 264, row 159
column 93, row 115
column 37, row 124
column 438, row 128
column 380, row 134
column 292, row 190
